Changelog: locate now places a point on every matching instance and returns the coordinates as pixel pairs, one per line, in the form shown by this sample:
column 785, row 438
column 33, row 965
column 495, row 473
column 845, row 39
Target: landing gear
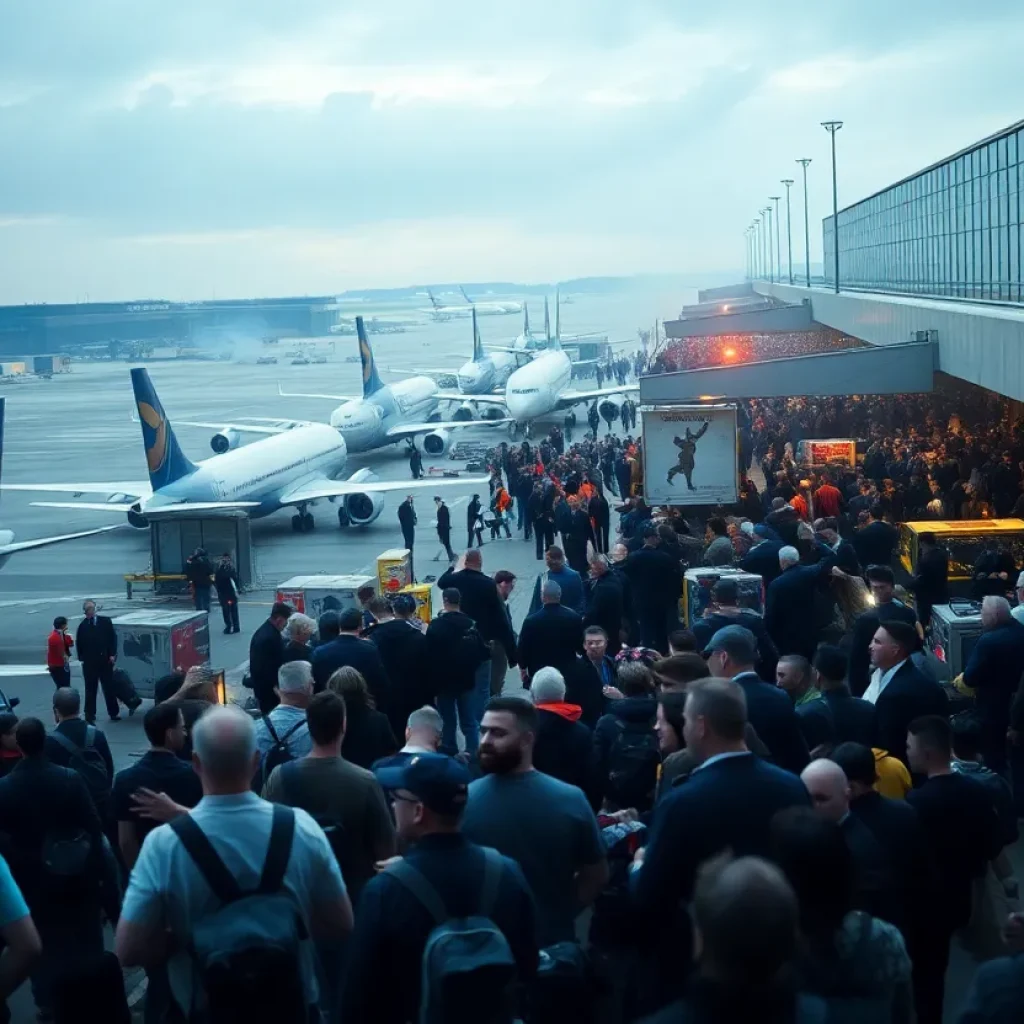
column 303, row 522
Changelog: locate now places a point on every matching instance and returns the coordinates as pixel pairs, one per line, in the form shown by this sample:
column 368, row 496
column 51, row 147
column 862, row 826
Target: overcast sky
column 256, row 147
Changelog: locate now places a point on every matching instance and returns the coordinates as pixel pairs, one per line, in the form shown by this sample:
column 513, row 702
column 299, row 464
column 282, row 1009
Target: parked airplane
column 295, row 467
column 482, row 375
column 388, row 413
column 8, row 545
column 439, row 311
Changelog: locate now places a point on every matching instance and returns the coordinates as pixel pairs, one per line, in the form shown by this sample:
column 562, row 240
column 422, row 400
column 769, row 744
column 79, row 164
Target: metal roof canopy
column 885, row 370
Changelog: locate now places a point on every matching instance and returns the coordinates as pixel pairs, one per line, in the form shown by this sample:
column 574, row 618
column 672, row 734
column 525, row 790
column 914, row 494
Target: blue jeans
column 465, row 705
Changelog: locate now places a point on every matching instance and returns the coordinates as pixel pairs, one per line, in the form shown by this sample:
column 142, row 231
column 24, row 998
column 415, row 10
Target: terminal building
column 929, row 291
column 115, row 328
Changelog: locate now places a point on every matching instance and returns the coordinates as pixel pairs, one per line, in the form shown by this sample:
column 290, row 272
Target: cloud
column 316, row 146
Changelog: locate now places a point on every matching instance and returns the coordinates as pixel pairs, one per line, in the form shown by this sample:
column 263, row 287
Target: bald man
column 873, row 876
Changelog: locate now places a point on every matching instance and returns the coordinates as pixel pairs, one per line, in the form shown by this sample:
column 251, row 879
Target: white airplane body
column 387, row 414
column 295, row 465
column 439, row 311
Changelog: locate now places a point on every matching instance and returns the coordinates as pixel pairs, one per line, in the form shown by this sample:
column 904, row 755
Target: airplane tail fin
column 558, row 317
column 554, row 343
column 371, row 379
column 478, row 345
column 547, row 320
column 526, row 320
column 164, row 457
column 464, row 295
column 433, row 301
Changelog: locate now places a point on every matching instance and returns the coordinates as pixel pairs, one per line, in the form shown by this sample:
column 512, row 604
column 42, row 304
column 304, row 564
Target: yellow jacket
column 893, row 778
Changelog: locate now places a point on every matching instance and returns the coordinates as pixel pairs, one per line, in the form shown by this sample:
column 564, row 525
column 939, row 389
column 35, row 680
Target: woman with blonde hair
column 368, row 735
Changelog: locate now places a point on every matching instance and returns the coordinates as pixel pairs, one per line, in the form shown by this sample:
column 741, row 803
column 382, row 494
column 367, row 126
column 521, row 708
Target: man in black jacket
column 96, row 645
column 882, row 582
column 444, row 528
column 876, row 542
column 407, row 520
column 792, row 602
column 199, row 572
column 657, row 585
column 562, row 747
column 600, row 512
column 348, row 648
column 853, row 719
column 725, row 610
column 225, row 580
column 266, row 656
column 763, row 558
column 580, row 533
column 552, row 636
column 454, row 651
column 481, row 601
column 605, row 604
column 41, row 805
column 930, row 583
column 402, row 645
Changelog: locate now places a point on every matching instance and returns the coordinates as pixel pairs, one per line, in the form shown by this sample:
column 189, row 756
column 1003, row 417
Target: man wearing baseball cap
column 732, row 654
column 440, row 867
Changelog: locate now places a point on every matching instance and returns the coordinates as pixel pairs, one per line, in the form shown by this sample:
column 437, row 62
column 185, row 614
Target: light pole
column 746, row 255
column 767, row 211
column 788, row 182
column 757, row 247
column 778, row 237
column 832, row 127
column 804, row 161
column 750, row 249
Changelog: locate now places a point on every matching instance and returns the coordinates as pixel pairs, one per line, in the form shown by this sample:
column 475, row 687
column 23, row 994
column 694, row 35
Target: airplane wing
column 306, row 394
column 42, row 542
column 396, row 433
column 264, row 425
column 159, row 512
column 339, row 488
column 134, row 488
column 458, row 396
column 570, row 398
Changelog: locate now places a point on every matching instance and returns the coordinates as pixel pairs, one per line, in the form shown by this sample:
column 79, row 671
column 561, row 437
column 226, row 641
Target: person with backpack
column 83, row 748
column 454, row 651
column 626, row 753
column 446, row 933
column 283, row 735
column 53, row 840
column 233, row 895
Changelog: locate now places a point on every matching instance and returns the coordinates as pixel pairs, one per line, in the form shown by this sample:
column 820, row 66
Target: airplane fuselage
column 534, row 389
column 262, row 471
column 364, row 422
column 482, row 376
column 482, row 309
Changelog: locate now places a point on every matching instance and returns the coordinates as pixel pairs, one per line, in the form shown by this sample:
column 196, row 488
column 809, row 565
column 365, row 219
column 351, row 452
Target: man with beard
column 543, row 824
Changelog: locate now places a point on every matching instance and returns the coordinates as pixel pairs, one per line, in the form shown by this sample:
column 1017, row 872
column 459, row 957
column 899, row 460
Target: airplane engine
column 491, row 412
column 225, row 441
column 137, row 519
column 609, row 408
column 362, row 509
column 464, row 413
column 435, row 443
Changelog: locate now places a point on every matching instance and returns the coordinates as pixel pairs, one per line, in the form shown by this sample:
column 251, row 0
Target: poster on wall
column 833, row 450
column 690, row 455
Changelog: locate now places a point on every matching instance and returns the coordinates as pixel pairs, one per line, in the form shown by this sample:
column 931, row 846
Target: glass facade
column 952, row 231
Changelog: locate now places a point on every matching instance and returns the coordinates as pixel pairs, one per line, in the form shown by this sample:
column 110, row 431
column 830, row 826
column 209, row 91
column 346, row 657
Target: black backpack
column 469, row 654
column 247, row 952
column 633, row 762
column 87, row 762
column 279, row 753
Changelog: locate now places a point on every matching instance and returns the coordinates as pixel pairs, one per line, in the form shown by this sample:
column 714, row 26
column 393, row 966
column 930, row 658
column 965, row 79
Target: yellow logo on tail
column 156, row 450
column 364, row 351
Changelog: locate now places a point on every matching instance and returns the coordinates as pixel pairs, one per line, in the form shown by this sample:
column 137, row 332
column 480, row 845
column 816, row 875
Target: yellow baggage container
column 394, row 570
column 421, row 592
column 964, row 539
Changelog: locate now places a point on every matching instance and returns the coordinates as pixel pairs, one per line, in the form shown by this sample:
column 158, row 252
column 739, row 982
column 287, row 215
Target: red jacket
column 58, row 649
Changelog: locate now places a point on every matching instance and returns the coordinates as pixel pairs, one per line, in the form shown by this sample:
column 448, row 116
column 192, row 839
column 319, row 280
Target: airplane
column 295, row 467
column 8, row 545
column 482, row 375
column 541, row 386
column 438, row 311
column 389, row 413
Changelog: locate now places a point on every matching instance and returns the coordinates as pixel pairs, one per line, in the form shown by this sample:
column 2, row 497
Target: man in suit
column 407, row 520
column 877, row 541
column 994, row 671
column 727, row 803
column 657, row 584
column 485, row 606
column 882, row 583
column 930, row 585
column 899, row 690
column 605, row 604
column 792, row 601
column 724, row 610
column 552, row 636
column 96, row 644
column 853, row 719
column 349, row 648
column 763, row 558
column 444, row 527
column 732, row 654
column 266, row 656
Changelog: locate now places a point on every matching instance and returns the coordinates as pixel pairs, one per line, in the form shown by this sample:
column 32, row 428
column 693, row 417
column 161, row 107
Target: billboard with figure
column 690, row 455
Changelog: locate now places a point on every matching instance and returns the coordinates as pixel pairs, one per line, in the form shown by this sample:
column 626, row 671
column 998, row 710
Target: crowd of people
column 764, row 811
column 695, row 352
